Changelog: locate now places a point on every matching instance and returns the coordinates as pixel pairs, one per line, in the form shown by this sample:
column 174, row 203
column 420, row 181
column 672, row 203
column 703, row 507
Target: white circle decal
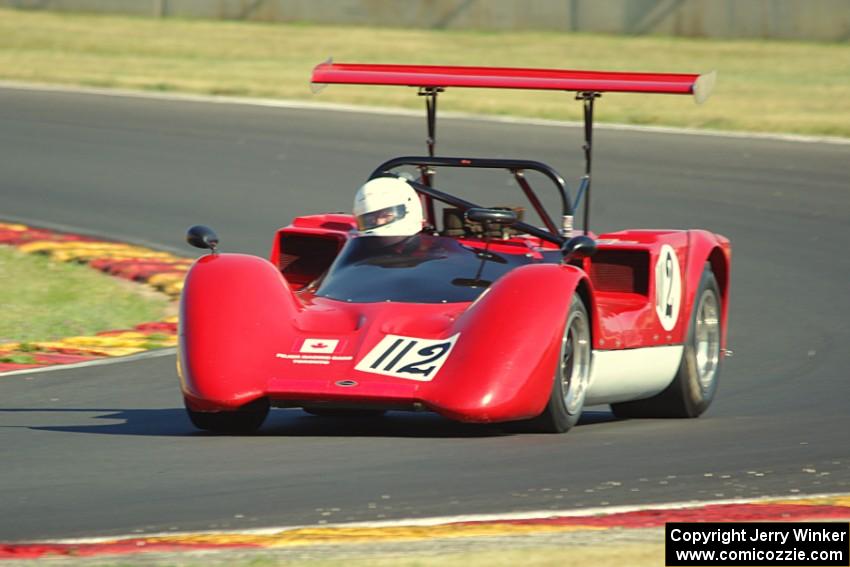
column 668, row 287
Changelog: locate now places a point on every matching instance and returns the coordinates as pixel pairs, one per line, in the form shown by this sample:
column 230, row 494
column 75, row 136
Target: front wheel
column 571, row 375
column 695, row 384
column 244, row 420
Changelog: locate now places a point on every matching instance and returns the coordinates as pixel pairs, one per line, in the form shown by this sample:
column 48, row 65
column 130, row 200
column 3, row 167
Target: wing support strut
column 587, row 98
column 427, row 174
column 433, row 79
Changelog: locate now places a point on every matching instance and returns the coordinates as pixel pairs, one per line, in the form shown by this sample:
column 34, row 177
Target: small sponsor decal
column 668, row 287
column 319, row 346
column 408, row 357
column 312, row 358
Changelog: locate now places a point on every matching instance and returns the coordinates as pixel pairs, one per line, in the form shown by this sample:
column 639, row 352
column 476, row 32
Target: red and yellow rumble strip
column 832, row 507
column 163, row 271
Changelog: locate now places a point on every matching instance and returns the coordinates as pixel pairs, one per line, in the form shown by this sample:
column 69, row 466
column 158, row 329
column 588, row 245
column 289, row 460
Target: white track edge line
column 335, row 107
column 169, row 351
column 442, row 520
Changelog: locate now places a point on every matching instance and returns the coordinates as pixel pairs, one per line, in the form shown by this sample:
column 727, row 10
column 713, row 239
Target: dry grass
column 46, row 300
column 763, row 85
column 615, row 555
column 633, row 555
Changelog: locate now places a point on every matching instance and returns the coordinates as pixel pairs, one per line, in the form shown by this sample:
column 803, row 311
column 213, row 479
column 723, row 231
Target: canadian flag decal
column 319, row 346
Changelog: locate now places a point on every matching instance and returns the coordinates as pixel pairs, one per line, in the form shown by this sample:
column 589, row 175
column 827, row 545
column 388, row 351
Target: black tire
column 572, row 375
column 695, row 384
column 244, row 420
column 338, row 412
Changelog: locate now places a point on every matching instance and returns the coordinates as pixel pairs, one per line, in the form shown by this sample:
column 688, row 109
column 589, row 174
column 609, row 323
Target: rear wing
column 434, row 76
column 588, row 86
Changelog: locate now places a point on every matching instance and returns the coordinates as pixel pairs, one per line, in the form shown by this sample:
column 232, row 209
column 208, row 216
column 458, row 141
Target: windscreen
column 418, row 269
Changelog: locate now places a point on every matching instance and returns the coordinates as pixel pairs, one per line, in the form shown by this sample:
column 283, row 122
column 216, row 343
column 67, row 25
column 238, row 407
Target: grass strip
column 634, row 555
column 503, row 554
column 766, row 86
column 41, row 299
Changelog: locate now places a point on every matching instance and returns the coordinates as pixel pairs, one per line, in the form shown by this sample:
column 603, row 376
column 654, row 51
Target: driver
column 388, row 206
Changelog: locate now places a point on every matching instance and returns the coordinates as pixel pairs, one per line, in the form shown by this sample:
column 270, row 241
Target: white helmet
column 388, row 206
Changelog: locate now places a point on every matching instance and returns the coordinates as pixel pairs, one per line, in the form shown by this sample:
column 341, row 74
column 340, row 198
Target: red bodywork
column 239, row 313
column 252, row 328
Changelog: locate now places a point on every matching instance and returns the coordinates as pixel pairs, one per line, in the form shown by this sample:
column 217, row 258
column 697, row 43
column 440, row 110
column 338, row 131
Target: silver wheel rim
column 575, row 362
column 707, row 339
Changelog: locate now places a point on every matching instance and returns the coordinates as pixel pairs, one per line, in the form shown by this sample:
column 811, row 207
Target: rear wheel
column 695, row 384
column 246, row 419
column 571, row 375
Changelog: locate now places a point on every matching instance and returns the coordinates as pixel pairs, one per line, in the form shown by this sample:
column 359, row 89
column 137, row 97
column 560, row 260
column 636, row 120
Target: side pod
column 503, row 365
column 233, row 311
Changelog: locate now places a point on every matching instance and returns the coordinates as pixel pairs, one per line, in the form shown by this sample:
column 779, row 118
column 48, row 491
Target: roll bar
column 516, row 166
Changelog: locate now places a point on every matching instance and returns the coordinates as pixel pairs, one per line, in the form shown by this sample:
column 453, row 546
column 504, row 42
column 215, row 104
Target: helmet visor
column 381, row 217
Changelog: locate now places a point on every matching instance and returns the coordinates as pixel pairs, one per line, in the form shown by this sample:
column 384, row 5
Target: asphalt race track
column 107, row 450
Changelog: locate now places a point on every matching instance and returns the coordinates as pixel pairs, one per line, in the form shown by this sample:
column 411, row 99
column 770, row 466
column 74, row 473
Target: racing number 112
column 668, row 268
column 668, row 282
column 431, row 353
column 407, row 357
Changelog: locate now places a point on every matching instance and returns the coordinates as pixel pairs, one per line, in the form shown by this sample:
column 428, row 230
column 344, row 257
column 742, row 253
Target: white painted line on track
column 441, row 520
column 158, row 353
column 388, row 111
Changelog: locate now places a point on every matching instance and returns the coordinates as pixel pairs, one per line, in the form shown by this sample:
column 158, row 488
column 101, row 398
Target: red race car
column 424, row 301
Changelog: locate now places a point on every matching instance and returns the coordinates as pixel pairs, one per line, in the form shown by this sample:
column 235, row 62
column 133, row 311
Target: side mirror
column 578, row 247
column 201, row 236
